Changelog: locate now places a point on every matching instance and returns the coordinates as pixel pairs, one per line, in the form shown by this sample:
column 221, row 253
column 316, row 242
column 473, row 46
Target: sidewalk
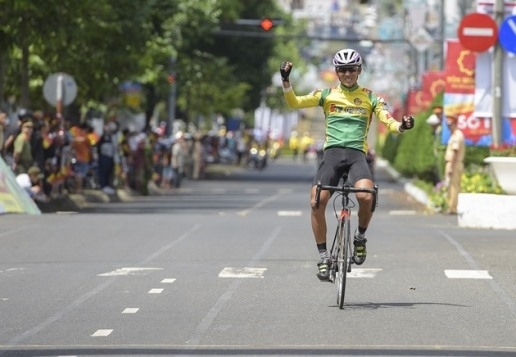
column 77, row 202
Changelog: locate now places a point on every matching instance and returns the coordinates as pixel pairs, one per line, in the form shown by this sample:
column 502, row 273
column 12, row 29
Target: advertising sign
column 459, row 96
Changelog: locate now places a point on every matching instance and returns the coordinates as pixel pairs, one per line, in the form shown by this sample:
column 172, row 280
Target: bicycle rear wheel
column 343, row 257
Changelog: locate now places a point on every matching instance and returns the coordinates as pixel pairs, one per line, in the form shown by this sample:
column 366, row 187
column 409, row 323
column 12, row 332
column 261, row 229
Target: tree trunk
column 24, row 74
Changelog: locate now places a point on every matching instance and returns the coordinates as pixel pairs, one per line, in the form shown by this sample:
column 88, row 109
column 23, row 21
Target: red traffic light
column 266, row 24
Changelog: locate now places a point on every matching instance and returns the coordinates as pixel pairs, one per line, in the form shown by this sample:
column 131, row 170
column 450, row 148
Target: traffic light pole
column 497, row 69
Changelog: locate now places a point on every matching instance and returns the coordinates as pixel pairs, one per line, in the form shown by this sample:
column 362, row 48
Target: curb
column 414, row 191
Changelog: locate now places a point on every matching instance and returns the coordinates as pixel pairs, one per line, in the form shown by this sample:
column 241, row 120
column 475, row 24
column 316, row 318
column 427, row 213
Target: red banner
column 459, row 98
column 434, row 82
column 414, row 102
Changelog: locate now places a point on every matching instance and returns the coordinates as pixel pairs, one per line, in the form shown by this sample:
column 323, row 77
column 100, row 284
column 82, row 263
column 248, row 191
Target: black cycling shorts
column 338, row 161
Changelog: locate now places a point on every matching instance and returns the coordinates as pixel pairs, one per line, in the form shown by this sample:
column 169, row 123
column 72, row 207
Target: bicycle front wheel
column 343, row 257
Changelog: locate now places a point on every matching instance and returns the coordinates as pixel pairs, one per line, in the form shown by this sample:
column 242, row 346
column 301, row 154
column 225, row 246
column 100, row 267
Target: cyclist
column 348, row 110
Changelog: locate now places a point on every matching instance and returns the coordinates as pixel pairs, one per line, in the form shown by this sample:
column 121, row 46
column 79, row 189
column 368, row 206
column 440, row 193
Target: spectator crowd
column 51, row 156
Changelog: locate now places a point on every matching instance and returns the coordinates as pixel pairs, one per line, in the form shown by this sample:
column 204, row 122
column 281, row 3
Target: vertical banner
column 414, row 102
column 483, row 80
column 434, row 82
column 484, row 94
column 459, row 96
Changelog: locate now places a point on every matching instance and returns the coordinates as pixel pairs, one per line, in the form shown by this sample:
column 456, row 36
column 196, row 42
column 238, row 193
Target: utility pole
column 172, row 95
column 442, row 31
column 497, row 69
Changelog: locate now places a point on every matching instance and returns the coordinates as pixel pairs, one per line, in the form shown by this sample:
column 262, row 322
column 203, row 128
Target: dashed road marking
column 102, row 333
column 402, row 212
column 364, row 273
column 467, row 274
column 290, row 213
column 156, row 291
column 129, row 271
column 130, row 310
column 167, row 281
column 242, row 273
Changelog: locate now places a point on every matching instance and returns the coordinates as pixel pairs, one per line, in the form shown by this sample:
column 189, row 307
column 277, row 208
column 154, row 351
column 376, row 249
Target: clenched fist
column 285, row 69
column 407, row 122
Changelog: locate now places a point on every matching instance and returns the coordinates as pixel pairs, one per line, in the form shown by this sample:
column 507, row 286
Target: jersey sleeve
column 381, row 111
column 303, row 101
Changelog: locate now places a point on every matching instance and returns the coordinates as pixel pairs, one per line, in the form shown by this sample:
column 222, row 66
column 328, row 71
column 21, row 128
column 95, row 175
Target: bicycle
column 340, row 254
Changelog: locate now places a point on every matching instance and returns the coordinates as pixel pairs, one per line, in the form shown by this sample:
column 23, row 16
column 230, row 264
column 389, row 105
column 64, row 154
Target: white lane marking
column 478, row 31
column 156, row 291
column 11, row 269
column 251, row 190
column 242, row 273
column 167, row 281
column 81, row 299
column 258, row 205
column 285, row 191
column 289, row 213
column 402, row 212
column 129, row 271
column 467, row 274
column 364, row 273
column 102, row 333
column 208, row 319
column 502, row 294
column 130, row 310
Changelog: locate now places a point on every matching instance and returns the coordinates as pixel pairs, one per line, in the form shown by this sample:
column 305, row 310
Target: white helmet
column 347, row 57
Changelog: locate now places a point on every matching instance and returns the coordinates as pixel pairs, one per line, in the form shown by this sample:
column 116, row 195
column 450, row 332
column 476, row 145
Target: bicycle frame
column 340, row 253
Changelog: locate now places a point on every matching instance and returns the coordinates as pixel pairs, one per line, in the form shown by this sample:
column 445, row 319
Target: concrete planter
column 504, row 169
column 483, row 210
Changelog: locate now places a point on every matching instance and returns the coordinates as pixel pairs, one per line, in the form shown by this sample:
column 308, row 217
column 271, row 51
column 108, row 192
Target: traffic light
column 266, row 24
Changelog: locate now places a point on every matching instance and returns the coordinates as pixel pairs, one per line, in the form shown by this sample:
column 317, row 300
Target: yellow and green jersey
column 348, row 113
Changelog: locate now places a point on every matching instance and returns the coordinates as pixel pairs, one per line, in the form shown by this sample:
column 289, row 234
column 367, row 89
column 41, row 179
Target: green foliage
column 390, row 147
column 415, row 154
column 104, row 43
column 475, row 156
column 503, row 150
column 475, row 180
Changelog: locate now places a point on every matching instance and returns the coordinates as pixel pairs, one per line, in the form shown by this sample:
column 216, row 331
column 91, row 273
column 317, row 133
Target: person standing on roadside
column 107, row 151
column 454, row 157
column 435, row 122
column 22, row 154
column 178, row 158
column 3, row 128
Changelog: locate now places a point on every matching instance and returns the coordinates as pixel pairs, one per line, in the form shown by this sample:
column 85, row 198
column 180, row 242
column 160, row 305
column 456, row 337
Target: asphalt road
column 227, row 267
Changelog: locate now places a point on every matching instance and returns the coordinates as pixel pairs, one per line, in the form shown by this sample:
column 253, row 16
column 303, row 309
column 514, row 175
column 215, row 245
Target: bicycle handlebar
column 346, row 189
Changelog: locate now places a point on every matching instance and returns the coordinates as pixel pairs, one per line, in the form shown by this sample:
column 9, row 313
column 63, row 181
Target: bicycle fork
column 339, row 241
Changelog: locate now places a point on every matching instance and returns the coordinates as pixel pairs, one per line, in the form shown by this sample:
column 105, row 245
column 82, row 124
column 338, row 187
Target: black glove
column 407, row 122
column 285, row 69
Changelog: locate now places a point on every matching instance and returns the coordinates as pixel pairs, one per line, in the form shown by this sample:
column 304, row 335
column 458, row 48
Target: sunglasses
column 344, row 69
